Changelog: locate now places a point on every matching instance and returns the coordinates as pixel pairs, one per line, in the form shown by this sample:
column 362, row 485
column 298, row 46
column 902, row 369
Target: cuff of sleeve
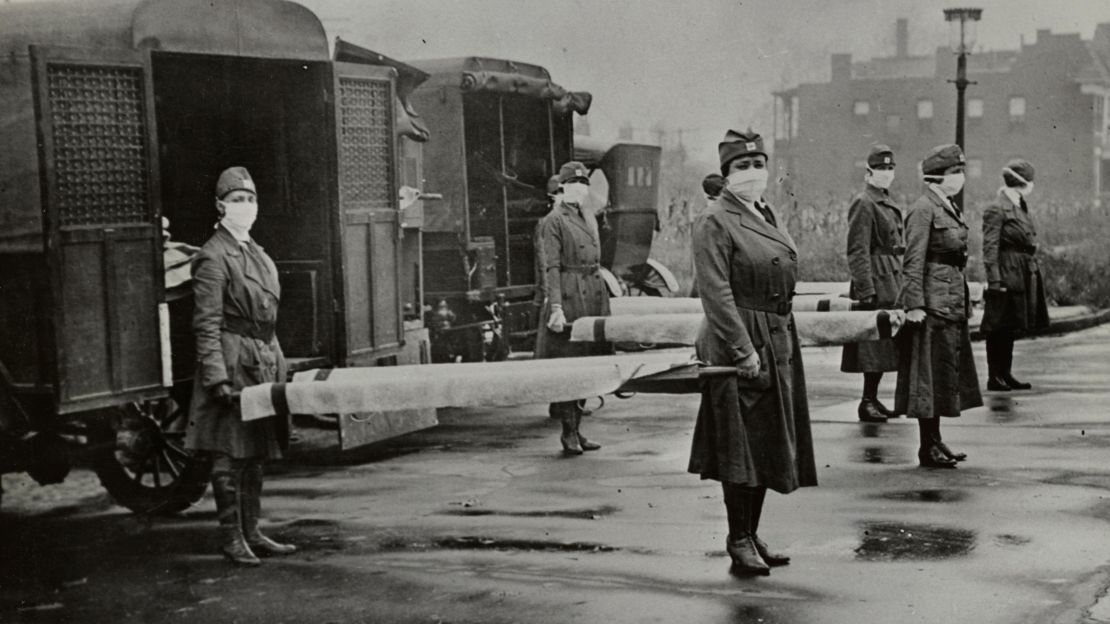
column 741, row 352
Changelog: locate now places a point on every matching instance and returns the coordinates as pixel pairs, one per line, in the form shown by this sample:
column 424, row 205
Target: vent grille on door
column 366, row 143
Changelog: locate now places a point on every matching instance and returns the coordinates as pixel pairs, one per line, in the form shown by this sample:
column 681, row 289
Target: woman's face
column 954, row 169
column 238, row 197
column 755, row 161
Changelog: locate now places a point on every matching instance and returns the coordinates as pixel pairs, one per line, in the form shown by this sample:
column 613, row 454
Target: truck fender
column 665, row 273
column 612, row 283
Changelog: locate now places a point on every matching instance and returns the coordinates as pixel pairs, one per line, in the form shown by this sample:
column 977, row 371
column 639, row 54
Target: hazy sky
column 697, row 65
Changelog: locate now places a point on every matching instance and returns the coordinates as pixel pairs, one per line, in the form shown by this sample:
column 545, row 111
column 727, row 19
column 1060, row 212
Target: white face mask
column 880, row 179
column 239, row 215
column 952, row 183
column 1026, row 190
column 747, row 184
column 575, row 192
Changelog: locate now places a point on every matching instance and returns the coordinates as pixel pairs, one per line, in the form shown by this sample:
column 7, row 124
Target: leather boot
column 772, row 559
column 739, row 543
column 226, row 489
column 996, row 345
column 252, row 511
column 869, row 412
column 938, row 441
column 882, row 409
column 569, row 438
column 745, row 558
column 929, row 455
column 582, row 441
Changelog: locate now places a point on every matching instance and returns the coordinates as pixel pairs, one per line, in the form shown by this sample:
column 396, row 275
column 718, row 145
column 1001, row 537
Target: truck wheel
column 139, row 455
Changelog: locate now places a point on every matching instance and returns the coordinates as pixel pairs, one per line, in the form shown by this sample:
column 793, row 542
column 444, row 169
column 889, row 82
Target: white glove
column 557, row 322
column 749, row 366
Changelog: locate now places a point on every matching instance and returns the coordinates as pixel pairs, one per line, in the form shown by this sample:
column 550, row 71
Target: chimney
column 841, row 67
column 902, row 38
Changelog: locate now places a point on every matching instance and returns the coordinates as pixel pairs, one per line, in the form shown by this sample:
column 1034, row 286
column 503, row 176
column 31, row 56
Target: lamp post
column 961, row 37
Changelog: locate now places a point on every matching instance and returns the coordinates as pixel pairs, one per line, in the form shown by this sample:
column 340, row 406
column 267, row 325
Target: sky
column 695, row 66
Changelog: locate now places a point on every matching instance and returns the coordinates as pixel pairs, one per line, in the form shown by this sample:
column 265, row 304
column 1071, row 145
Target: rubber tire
column 170, row 498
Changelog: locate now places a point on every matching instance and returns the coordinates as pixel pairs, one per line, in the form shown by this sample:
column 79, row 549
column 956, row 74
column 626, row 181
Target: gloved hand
column 223, row 394
column 916, row 315
column 748, row 367
column 557, row 322
column 869, row 303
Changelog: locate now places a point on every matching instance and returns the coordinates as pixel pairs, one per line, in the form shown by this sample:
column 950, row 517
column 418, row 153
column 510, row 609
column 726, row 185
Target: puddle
column 894, row 541
column 1002, row 409
column 924, row 496
column 1006, row 539
column 573, row 514
column 881, row 455
column 490, row 543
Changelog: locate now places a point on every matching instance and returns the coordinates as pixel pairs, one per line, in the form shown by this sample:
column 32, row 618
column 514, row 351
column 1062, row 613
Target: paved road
column 480, row 520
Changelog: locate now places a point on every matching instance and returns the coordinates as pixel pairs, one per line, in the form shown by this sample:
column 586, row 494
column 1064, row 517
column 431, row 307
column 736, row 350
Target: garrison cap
column 1021, row 167
column 738, row 144
column 880, row 155
column 942, row 157
column 234, row 179
column 572, row 171
column 713, row 184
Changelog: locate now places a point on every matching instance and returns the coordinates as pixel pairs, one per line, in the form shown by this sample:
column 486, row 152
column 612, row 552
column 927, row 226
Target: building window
column 975, row 108
column 795, row 111
column 924, row 109
column 974, row 168
column 893, row 124
column 1017, row 109
column 861, row 108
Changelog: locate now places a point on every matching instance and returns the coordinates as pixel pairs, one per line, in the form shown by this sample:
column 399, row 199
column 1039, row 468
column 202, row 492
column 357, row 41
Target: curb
column 1065, row 326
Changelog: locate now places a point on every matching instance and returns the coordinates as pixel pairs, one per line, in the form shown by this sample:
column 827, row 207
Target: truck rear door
column 100, row 197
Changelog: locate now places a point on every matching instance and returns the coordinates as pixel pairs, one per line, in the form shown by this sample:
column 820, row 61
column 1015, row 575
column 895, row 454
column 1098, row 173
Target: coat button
column 775, row 296
column 793, row 256
column 775, row 260
column 265, row 304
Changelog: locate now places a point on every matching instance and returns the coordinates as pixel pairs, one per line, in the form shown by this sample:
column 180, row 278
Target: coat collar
column 574, row 215
column 252, row 261
column 756, row 224
column 879, row 196
column 934, row 195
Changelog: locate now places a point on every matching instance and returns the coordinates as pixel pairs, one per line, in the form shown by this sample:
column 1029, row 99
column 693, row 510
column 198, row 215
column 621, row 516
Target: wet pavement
column 481, row 520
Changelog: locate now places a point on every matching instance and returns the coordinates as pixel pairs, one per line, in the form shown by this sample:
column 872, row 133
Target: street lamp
column 961, row 37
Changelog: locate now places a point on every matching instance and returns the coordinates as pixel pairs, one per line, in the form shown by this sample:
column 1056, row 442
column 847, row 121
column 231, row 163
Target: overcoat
column 746, row 272
column 936, row 368
column 875, row 247
column 1009, row 248
column 236, row 294
column 570, row 253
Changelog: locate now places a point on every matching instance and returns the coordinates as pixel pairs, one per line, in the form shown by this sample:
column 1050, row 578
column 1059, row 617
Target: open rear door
column 369, row 216
column 100, row 197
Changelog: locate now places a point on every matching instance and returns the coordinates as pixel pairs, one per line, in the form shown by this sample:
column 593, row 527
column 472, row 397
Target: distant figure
column 1015, row 301
column 573, row 287
column 749, row 436
column 236, row 293
column 936, row 368
column 875, row 248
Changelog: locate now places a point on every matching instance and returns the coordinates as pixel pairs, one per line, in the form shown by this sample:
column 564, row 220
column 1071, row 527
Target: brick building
column 1048, row 101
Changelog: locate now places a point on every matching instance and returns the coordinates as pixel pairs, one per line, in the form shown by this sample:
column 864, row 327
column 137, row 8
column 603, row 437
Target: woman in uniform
column 875, row 250
column 752, row 432
column 936, row 369
column 236, row 293
column 1015, row 300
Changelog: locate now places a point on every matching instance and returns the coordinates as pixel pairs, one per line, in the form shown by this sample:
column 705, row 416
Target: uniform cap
column 1021, row 167
column 738, row 144
column 942, row 157
column 234, row 179
column 573, row 170
column 553, row 185
column 713, row 184
column 880, row 155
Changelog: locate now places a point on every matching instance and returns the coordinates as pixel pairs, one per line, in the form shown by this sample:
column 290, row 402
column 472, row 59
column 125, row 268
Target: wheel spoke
column 157, row 470
column 177, row 451
column 174, row 469
column 139, row 472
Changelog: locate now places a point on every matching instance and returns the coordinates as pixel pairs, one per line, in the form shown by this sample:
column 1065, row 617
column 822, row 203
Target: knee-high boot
column 586, row 444
column 930, row 453
column 227, row 490
column 1008, row 364
column 758, row 495
column 571, row 444
column 740, row 542
column 996, row 366
column 252, row 511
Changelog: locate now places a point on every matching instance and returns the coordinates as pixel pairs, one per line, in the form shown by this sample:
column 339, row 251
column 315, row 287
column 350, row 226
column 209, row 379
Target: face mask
column 1026, row 190
column 240, row 215
column 880, row 179
column 952, row 183
column 747, row 184
column 575, row 192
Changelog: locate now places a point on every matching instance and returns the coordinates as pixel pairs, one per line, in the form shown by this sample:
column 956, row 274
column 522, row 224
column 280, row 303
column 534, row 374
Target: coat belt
column 1019, row 248
column 259, row 330
column 956, row 259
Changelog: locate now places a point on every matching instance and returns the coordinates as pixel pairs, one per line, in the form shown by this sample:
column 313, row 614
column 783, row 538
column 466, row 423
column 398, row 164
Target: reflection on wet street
column 925, row 496
column 1001, row 408
column 896, row 541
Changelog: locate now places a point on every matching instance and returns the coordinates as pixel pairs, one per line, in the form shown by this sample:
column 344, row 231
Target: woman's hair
column 1010, row 181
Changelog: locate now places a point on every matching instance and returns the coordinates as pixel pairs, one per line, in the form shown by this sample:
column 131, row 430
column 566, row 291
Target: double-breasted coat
column 746, row 270
column 875, row 247
column 236, row 295
column 936, row 369
column 1009, row 248
column 570, row 253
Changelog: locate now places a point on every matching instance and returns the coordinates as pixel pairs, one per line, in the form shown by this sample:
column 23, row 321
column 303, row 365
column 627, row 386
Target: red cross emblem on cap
column 961, row 158
column 750, row 145
column 581, row 172
column 886, row 160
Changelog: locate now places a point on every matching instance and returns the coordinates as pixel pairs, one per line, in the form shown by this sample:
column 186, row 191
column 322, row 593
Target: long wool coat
column 936, row 369
column 875, row 247
column 1009, row 245
column 234, row 283
column 569, row 251
column 746, row 270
